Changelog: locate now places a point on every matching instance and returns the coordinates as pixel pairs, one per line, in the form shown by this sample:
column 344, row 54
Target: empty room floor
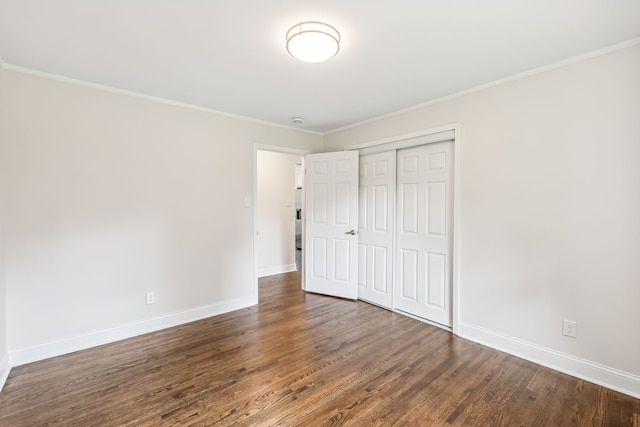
column 308, row 360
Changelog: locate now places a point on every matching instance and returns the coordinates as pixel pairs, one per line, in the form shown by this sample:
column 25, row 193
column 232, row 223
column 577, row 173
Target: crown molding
column 532, row 72
column 165, row 101
column 538, row 70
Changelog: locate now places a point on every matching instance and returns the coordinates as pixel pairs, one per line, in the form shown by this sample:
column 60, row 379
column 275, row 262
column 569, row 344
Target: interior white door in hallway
column 424, row 232
column 376, row 227
column 331, row 261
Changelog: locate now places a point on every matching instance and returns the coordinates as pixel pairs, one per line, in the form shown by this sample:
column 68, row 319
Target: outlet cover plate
column 151, row 297
column 570, row 328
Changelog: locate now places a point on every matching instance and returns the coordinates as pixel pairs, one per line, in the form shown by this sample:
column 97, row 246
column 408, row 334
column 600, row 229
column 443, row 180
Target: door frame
column 451, row 131
column 277, row 149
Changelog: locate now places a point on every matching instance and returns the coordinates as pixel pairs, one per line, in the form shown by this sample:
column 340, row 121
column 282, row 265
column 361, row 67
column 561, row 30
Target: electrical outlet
column 151, row 297
column 570, row 328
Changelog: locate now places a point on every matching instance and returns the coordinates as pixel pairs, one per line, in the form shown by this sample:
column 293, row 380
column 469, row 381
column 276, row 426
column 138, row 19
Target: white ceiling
column 229, row 55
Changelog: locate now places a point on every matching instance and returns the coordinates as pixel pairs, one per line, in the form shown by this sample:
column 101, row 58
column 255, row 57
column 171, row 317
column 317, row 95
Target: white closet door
column 424, row 231
column 376, row 228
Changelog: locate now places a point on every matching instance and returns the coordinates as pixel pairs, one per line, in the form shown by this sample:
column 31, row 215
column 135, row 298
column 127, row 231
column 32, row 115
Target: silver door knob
column 352, row 232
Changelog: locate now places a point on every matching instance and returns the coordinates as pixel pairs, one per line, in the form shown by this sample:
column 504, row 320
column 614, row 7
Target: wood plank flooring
column 300, row 359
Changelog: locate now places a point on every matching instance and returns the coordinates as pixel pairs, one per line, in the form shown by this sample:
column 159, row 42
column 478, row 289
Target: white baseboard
column 614, row 379
column 5, row 369
column 279, row 269
column 120, row 332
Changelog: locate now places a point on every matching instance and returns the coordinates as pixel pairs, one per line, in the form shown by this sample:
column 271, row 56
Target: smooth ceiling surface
column 230, row 56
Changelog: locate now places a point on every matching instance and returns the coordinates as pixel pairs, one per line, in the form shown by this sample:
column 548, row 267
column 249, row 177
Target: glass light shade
column 313, row 41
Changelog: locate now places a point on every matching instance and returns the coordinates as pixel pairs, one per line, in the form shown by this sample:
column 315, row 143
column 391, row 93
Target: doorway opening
column 278, row 201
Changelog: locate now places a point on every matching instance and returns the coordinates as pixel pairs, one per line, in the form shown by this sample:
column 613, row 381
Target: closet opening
column 407, row 251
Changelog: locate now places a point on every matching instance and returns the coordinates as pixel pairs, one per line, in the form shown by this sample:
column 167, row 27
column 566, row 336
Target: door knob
column 352, row 232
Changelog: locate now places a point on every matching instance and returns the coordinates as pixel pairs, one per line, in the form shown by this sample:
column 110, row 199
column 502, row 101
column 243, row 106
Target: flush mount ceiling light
column 313, row 41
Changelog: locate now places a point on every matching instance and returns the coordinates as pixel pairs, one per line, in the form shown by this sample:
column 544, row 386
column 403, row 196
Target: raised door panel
column 380, row 283
column 319, row 266
column 408, row 275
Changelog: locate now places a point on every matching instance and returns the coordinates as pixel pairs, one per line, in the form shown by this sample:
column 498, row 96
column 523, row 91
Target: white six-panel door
column 424, row 231
column 376, row 228
column 331, row 240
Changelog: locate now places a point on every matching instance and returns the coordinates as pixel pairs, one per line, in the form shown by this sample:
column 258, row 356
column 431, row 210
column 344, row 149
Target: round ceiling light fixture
column 313, row 41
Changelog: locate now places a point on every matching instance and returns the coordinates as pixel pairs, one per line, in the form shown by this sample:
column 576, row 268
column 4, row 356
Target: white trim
column 436, row 134
column 111, row 89
column 596, row 373
column 124, row 331
column 539, row 70
column 457, row 230
column 278, row 269
column 412, row 142
column 5, row 370
column 278, row 149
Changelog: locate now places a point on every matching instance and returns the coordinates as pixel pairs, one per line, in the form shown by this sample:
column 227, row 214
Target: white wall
column 276, row 212
column 4, row 355
column 108, row 196
column 549, row 212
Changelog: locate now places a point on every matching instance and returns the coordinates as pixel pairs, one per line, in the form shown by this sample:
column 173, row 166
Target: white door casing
column 377, row 208
column 331, row 212
column 424, row 232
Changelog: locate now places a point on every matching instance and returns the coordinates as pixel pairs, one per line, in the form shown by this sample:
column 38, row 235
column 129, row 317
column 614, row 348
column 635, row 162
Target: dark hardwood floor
column 308, row 360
